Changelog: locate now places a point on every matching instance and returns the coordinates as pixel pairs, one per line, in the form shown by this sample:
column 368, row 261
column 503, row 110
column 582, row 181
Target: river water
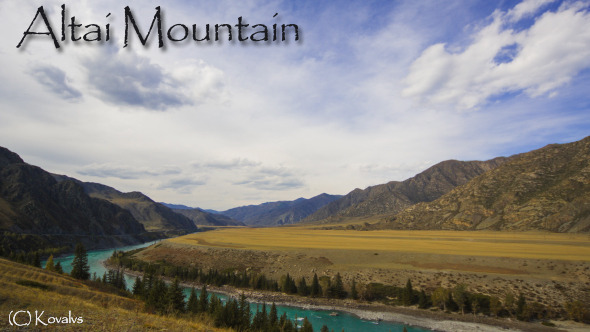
column 318, row 318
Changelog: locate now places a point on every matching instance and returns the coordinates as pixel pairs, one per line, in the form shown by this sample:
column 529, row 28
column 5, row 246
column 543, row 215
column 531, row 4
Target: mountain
column 395, row 196
column 36, row 207
column 547, row 189
column 203, row 218
column 279, row 213
column 177, row 206
column 154, row 216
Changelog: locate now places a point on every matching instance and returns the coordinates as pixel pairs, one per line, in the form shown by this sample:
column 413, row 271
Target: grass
column 537, row 245
column 28, row 288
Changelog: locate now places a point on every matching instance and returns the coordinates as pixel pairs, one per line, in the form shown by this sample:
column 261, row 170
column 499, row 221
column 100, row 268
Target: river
column 318, row 318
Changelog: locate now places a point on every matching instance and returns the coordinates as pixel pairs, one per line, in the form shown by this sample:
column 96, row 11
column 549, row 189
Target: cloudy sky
column 373, row 91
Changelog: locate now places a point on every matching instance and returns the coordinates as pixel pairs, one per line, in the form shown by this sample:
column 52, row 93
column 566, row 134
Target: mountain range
column 545, row 189
column 43, row 211
column 395, row 196
column 279, row 213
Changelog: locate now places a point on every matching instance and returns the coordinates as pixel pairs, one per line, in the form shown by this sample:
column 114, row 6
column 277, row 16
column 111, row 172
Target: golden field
column 548, row 246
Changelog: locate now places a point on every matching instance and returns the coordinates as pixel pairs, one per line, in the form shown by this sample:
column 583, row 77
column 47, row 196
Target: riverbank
column 410, row 316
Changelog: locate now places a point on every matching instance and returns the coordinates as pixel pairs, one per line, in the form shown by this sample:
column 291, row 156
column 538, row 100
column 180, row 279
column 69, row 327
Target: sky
column 373, row 91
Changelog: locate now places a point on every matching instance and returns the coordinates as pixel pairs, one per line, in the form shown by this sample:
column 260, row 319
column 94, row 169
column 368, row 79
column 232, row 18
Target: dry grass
column 552, row 246
column 100, row 311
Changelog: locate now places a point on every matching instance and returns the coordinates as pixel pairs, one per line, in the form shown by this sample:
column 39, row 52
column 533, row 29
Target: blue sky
column 375, row 91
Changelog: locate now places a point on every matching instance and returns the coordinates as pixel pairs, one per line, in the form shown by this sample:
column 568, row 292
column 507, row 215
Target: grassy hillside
column 546, row 189
column 27, row 288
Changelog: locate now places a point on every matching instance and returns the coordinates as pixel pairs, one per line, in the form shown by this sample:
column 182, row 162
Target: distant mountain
column 395, row 196
column 279, row 213
column 34, row 206
column 545, row 189
column 177, row 206
column 154, row 216
column 203, row 218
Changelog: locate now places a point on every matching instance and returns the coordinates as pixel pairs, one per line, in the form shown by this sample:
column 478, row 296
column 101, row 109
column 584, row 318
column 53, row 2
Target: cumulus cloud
column 271, row 178
column 56, row 81
column 133, row 80
column 502, row 59
column 124, row 172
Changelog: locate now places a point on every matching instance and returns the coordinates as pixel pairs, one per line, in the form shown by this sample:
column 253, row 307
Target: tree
column 204, row 300
column 461, row 296
column 58, row 268
column 576, row 310
column 325, row 328
column 49, row 266
column 302, row 288
column 337, row 289
column 80, row 268
column 316, row 289
column 405, row 329
column 306, row 326
column 353, row 292
column 422, row 300
column 408, row 294
column 509, row 303
column 138, row 287
column 495, row 306
column 441, row 297
column 520, row 306
column 175, row 298
column 192, row 305
column 273, row 316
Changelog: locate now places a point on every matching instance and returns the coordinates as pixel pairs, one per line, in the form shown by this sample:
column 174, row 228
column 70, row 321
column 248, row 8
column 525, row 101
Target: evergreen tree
column 325, row 328
column 405, row 329
column 422, row 300
column 138, row 287
column 244, row 312
column 80, row 268
column 302, row 288
column 338, row 287
column 306, row 326
column 50, row 266
column 353, row 292
column 408, row 294
column 174, row 298
column 316, row 289
column 37, row 260
column 204, row 300
column 273, row 317
column 193, row 302
column 58, row 268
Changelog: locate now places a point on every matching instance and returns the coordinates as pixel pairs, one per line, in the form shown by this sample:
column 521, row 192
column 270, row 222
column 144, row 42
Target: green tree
column 510, row 303
column 50, row 266
column 174, row 298
column 80, row 268
column 138, row 287
column 461, row 297
column 408, row 294
column 204, row 300
column 192, row 305
column 441, row 297
column 58, row 268
column 273, row 316
column 353, row 292
column 302, row 288
column 422, row 300
column 325, row 328
column 306, row 326
column 316, row 289
column 338, row 287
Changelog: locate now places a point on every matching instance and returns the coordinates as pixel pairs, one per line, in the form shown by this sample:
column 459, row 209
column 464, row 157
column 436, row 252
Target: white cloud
column 547, row 56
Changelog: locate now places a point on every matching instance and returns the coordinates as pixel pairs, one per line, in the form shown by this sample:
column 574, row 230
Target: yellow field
column 570, row 247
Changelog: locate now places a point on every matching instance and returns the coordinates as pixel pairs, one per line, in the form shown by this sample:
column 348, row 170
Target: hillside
column 154, row 216
column 547, row 189
column 395, row 196
column 23, row 287
column 204, row 218
column 279, row 213
column 35, row 205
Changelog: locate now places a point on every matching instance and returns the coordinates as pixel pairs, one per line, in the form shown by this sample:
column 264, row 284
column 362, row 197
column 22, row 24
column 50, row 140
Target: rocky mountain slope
column 546, row 189
column 35, row 205
column 395, row 196
column 204, row 218
column 154, row 216
column 279, row 213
